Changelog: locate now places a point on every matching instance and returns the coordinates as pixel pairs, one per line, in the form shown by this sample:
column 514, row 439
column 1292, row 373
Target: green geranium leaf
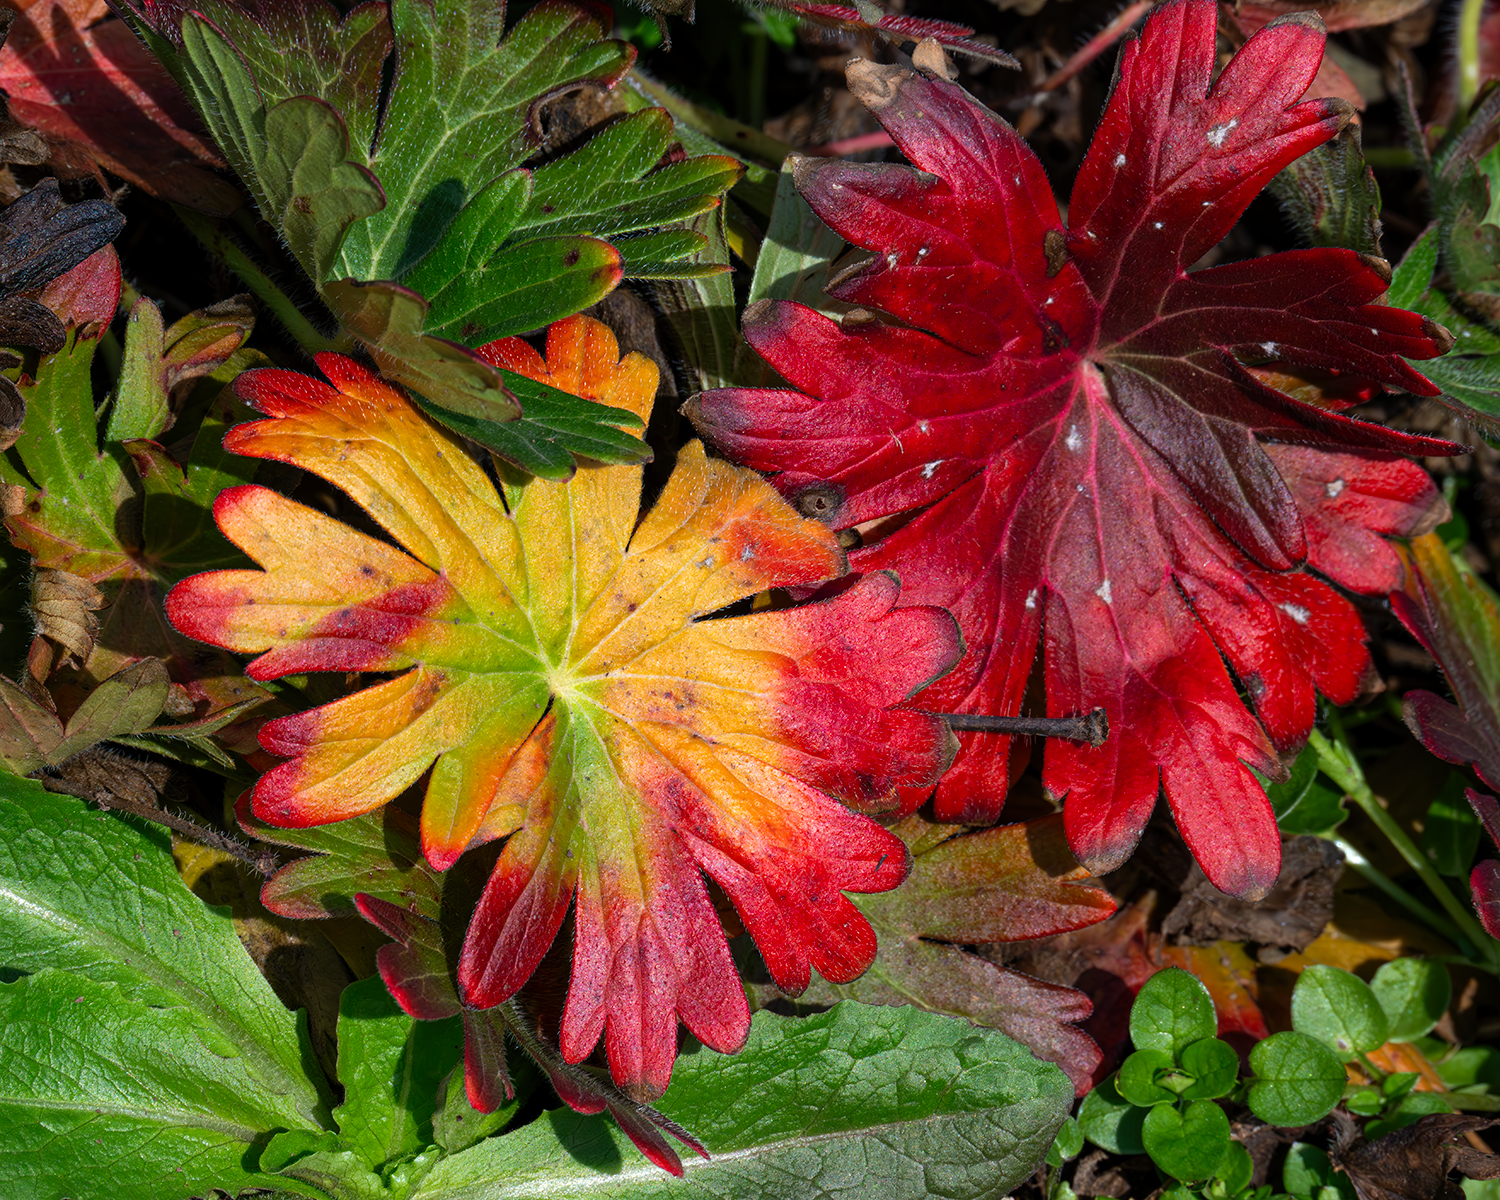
column 1298, row 1079
column 1110, row 1121
column 1338, row 1009
column 1214, row 1066
column 1172, row 1011
column 1137, row 1080
column 1414, row 994
column 1188, row 1145
column 1331, row 195
column 1068, row 1143
column 859, row 1101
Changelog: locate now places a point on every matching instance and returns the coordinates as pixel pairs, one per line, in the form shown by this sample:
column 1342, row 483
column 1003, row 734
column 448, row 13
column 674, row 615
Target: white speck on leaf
column 1119, row 160
column 1074, row 439
column 1105, row 592
column 1031, row 598
column 1218, row 133
column 929, row 468
column 1334, row 488
column 1296, row 612
column 1156, row 225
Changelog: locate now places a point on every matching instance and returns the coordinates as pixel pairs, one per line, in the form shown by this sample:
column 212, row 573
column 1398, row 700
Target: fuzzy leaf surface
column 551, row 665
column 859, row 1103
column 1008, row 883
column 1068, row 419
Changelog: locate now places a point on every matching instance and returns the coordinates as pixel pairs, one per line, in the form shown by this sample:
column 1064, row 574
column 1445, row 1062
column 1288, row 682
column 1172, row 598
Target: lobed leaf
column 553, row 666
column 855, row 1102
column 1068, row 420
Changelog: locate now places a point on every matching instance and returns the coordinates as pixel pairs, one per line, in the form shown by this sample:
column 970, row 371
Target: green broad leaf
column 1188, row 1145
column 390, row 1066
column 1237, row 1169
column 557, row 429
column 859, row 1101
column 310, row 50
column 1331, row 196
column 1338, row 1009
column 1364, row 1102
column 1307, row 1170
column 1472, row 1067
column 92, row 894
column 1215, row 1069
column 1305, row 803
column 1067, row 1145
column 1450, row 829
column 1411, row 279
column 1171, row 1011
column 1414, row 994
column 1298, row 1079
column 1110, row 1121
column 457, row 1124
column 32, row 737
column 1399, row 1083
column 109, row 1096
column 294, row 155
column 1137, row 1080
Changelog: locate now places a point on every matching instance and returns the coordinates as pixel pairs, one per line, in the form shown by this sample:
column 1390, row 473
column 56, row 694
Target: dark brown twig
column 1092, row 728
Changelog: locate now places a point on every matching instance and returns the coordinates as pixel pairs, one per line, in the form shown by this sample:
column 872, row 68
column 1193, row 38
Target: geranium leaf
column 128, row 518
column 553, row 670
column 1071, row 421
column 859, row 1102
column 1452, row 613
column 1331, row 196
column 295, row 154
column 79, row 75
column 1009, row 883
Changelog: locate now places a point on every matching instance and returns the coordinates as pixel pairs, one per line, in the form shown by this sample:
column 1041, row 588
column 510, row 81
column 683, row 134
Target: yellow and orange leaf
column 560, row 672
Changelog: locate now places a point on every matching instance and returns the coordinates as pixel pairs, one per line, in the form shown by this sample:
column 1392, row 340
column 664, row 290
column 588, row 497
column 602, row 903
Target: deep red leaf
column 1068, row 419
column 1485, row 879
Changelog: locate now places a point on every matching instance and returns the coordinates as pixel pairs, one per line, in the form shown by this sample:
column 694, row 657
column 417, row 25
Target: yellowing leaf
column 564, row 677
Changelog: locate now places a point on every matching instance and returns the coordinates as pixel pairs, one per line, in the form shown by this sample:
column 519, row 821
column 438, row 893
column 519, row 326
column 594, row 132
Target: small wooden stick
column 1092, row 728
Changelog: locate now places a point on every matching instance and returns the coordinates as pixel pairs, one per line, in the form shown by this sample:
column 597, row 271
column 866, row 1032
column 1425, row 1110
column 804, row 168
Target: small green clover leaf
column 1172, row 1011
column 1188, row 1145
column 1338, row 1009
column 1110, row 1121
column 1141, row 1077
column 1414, row 994
column 1298, row 1079
column 1214, row 1068
column 1066, row 1145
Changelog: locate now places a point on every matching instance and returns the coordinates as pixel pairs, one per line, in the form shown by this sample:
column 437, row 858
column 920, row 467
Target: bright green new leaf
column 1298, row 1079
column 1066, row 1146
column 1338, row 1009
column 1305, row 803
column 1171, row 1011
column 1414, row 994
column 1237, row 1169
column 1137, row 1080
column 1190, row 1144
column 857, row 1102
column 1307, row 1170
column 1214, row 1066
column 1109, row 1120
column 1412, row 1108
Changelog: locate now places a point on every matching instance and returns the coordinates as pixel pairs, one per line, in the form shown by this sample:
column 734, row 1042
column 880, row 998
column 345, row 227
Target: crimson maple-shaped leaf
column 1070, row 424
